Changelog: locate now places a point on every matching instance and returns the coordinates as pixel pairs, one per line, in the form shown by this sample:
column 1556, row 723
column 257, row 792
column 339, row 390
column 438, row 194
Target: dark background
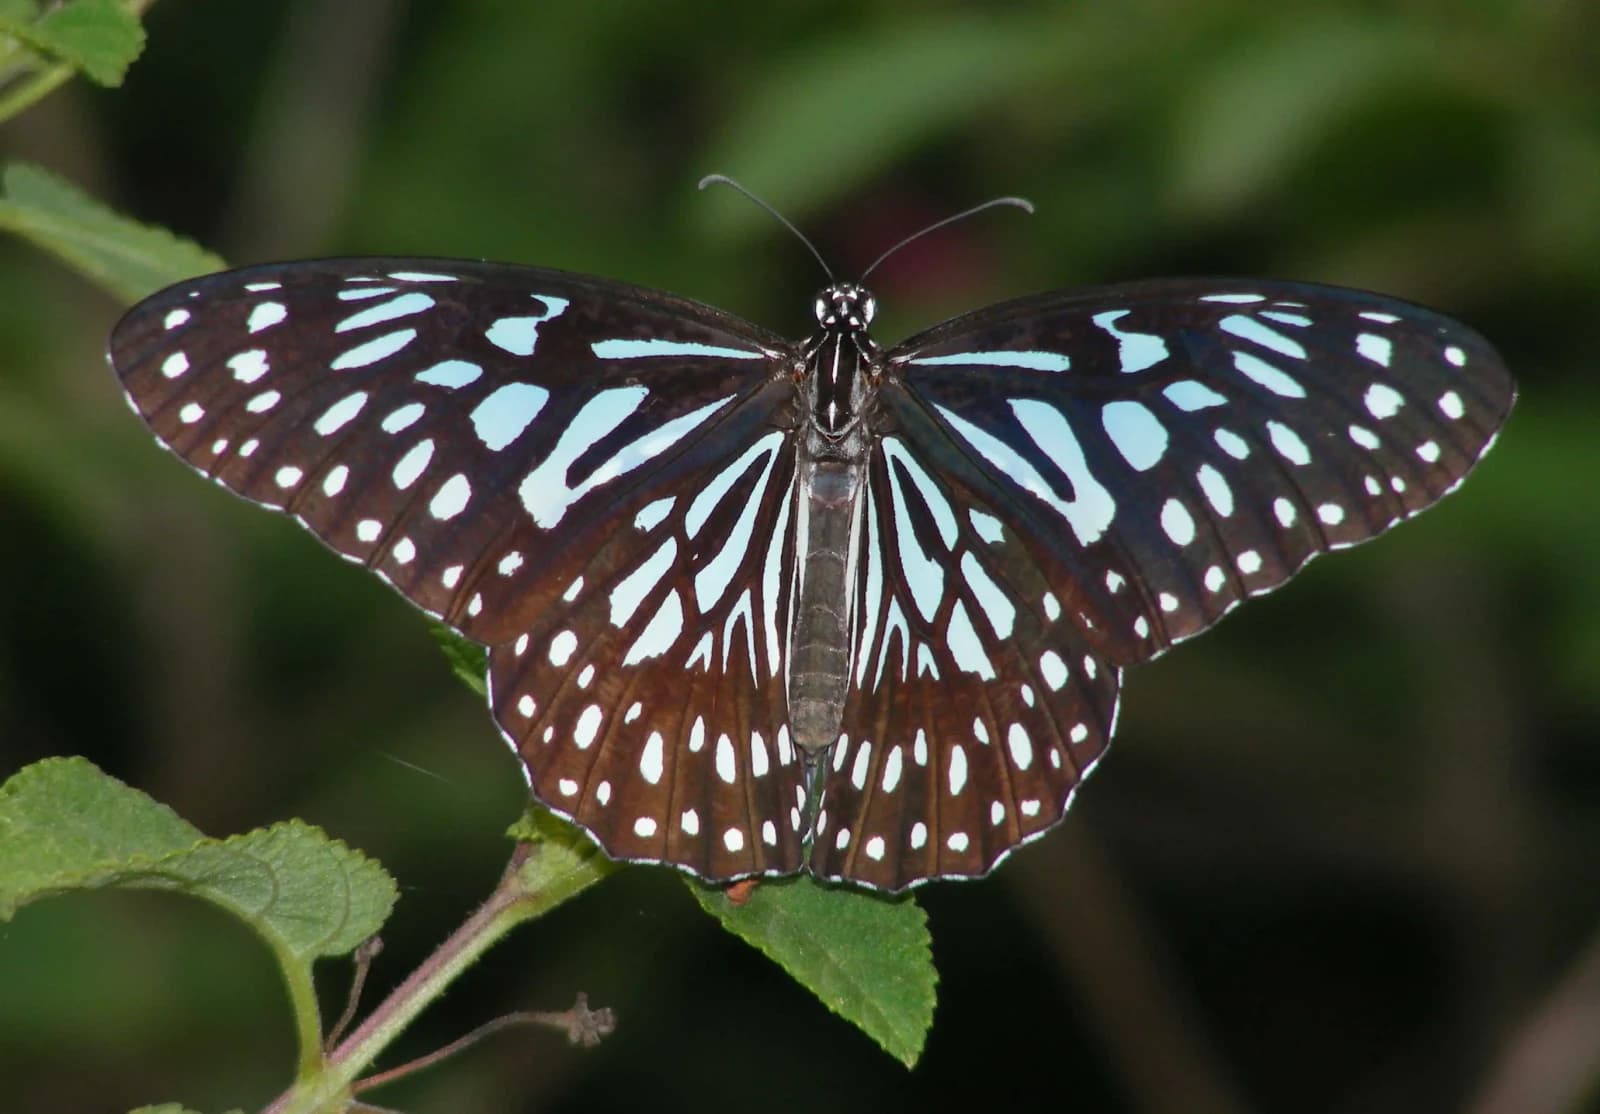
column 1345, row 855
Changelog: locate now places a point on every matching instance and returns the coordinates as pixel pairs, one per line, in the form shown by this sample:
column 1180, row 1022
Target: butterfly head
column 845, row 306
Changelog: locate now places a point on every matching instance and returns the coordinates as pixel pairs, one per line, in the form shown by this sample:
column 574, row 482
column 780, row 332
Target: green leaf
column 100, row 37
column 868, row 959
column 169, row 1108
column 1262, row 106
column 814, row 103
column 469, row 660
column 129, row 259
column 66, row 826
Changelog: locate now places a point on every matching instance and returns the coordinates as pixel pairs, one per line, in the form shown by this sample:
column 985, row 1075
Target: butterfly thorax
column 841, row 369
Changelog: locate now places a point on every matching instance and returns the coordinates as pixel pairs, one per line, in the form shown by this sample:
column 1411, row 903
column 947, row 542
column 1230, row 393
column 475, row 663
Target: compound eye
column 822, row 309
column 869, row 308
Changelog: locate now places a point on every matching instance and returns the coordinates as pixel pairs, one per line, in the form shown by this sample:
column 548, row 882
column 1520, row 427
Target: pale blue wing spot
column 1026, row 361
column 626, row 349
column 505, row 414
column 1137, row 433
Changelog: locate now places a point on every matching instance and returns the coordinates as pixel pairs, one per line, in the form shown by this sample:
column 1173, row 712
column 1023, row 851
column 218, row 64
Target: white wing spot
column 726, row 769
column 265, row 315
column 644, row 827
column 363, row 355
column 919, row 836
column 1020, row 746
column 1288, row 444
column 333, row 482
column 506, row 413
column 1215, row 579
column 874, row 849
column 1375, row 348
column 1455, row 356
column 1177, row 522
column 412, row 465
column 842, row 840
column 1249, row 562
column 1136, row 432
column 263, row 402
column 525, row 706
column 451, row 498
column 1216, row 489
column 958, row 769
column 568, row 787
column 957, row 841
column 652, row 759
column 1331, row 513
column 288, row 476
column 175, row 365
column 1079, row 733
column 510, row 563
column 1232, row 444
column 1284, row 510
column 1429, row 451
column 404, row 551
column 1053, row 670
column 368, row 529
column 562, row 647
column 733, row 839
column 689, row 822
column 402, row 417
column 769, row 833
column 1364, row 437
column 340, row 414
column 450, row 374
column 451, row 576
column 1265, row 375
column 191, row 413
column 1382, row 401
column 891, row 770
column 759, row 761
column 587, row 728
column 997, row 813
column 1450, row 406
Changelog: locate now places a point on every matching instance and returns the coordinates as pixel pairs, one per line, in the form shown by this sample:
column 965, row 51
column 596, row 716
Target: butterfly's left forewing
column 589, row 477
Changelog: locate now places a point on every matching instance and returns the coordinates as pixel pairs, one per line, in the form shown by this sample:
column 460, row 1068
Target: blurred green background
column 1345, row 854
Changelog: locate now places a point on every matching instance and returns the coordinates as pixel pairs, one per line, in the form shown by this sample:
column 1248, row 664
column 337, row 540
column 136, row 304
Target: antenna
column 724, row 180
column 1013, row 202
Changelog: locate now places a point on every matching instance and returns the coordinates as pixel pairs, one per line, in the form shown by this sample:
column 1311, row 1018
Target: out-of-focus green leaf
column 129, row 259
column 1269, row 100
column 66, row 826
column 804, row 136
column 100, row 37
column 869, row 959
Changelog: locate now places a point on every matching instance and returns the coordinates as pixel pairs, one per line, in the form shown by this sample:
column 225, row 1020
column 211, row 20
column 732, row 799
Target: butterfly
column 757, row 606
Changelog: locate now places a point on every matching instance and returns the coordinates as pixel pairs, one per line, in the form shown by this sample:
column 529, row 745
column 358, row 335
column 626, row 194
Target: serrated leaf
column 467, row 659
column 868, row 959
column 65, row 825
column 99, row 37
column 127, row 258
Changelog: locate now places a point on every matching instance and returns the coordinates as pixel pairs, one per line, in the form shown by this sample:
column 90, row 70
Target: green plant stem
column 539, row 877
column 34, row 89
